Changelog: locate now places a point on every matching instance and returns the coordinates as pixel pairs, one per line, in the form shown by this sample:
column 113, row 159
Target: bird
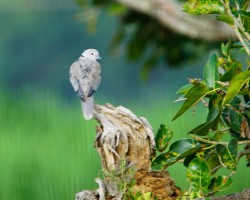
column 85, row 77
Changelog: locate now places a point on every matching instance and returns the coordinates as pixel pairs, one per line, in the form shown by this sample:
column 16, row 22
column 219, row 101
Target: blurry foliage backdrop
column 46, row 148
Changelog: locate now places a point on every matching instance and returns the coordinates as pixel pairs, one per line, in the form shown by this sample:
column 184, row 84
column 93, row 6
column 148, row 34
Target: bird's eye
column 92, row 54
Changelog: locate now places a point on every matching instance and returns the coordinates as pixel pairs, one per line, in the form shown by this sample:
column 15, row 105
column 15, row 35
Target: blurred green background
column 46, row 148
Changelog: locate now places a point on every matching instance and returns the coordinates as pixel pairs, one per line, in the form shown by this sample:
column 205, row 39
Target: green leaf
column 215, row 99
column 198, row 173
column 220, row 183
column 213, row 113
column 210, row 72
column 243, row 50
column 244, row 13
column 194, row 95
column 236, row 135
column 237, row 45
column 116, row 9
column 246, row 22
column 212, row 159
column 184, row 89
column 235, row 120
column 163, row 137
column 184, row 147
column 160, row 162
column 212, row 118
column 232, row 71
column 178, row 150
column 225, row 18
column 228, row 154
column 188, row 159
column 241, row 3
column 236, row 84
column 225, row 49
column 147, row 196
column 226, row 111
column 198, row 7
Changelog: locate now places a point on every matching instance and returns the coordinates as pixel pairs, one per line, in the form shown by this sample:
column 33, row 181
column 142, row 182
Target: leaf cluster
column 231, row 12
column 225, row 91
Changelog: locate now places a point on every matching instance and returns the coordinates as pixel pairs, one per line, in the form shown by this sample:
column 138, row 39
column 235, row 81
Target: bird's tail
column 88, row 108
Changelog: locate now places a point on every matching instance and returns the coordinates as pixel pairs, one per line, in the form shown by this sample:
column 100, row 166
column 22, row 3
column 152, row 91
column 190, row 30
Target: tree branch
column 217, row 142
column 170, row 14
column 244, row 195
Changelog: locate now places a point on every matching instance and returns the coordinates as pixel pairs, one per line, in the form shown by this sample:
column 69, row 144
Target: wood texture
column 125, row 144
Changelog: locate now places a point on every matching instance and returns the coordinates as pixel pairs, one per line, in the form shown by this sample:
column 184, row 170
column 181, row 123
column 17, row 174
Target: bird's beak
column 99, row 57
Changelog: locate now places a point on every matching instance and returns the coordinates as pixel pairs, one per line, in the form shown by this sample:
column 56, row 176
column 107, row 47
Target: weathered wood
column 122, row 135
column 125, row 144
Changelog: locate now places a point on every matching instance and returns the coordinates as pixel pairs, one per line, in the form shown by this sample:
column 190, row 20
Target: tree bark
column 244, row 195
column 124, row 143
column 170, row 14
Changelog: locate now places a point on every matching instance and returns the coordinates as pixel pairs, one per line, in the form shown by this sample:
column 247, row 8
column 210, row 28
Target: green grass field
column 47, row 151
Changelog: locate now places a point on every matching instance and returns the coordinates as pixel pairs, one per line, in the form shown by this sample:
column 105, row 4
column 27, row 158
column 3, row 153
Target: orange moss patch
column 159, row 183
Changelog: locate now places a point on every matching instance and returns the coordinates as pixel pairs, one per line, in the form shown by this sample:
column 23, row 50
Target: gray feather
column 88, row 108
column 85, row 78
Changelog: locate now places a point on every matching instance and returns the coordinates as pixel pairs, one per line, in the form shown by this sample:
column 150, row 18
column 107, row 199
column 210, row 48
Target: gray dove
column 85, row 77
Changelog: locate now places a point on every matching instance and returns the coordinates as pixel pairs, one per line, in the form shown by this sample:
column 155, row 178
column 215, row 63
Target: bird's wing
column 79, row 79
column 95, row 75
column 73, row 75
column 87, row 76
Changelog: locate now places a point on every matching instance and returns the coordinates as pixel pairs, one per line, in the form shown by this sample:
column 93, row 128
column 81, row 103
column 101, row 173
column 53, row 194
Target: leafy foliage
column 198, row 7
column 225, row 91
column 232, row 12
column 144, row 38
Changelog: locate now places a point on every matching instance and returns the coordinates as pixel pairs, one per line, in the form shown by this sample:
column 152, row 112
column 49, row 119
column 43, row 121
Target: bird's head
column 92, row 54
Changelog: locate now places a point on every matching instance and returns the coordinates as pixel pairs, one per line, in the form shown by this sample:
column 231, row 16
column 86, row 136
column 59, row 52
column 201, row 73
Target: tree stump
column 125, row 144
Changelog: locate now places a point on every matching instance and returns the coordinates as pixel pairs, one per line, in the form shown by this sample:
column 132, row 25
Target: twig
column 223, row 84
column 243, row 153
column 204, row 102
column 217, row 142
column 216, row 168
